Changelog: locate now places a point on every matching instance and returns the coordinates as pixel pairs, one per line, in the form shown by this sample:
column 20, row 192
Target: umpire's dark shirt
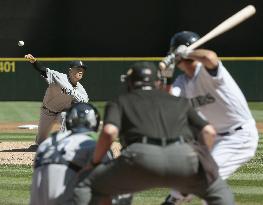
column 152, row 113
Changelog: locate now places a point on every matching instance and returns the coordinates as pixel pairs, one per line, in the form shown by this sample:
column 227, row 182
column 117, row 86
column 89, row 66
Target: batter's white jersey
column 60, row 94
column 217, row 98
column 52, row 174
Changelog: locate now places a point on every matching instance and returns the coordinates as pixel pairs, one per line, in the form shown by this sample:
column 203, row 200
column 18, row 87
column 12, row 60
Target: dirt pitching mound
column 16, row 153
column 23, row 153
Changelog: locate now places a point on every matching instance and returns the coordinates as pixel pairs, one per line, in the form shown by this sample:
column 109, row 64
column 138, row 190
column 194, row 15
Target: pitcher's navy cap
column 77, row 64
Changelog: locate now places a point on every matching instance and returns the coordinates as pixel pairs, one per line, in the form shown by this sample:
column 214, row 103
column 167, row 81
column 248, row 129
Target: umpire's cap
column 82, row 117
column 183, row 38
column 77, row 64
column 141, row 74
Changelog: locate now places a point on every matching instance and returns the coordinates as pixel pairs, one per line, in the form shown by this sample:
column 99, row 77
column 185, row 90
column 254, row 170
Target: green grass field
column 246, row 183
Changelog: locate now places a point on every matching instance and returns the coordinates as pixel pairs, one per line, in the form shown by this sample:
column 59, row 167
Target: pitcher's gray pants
column 46, row 122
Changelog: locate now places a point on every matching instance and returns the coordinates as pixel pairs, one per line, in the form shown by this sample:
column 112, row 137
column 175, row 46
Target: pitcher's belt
column 50, row 110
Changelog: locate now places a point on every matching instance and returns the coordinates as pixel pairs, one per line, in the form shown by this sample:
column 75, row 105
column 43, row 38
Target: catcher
column 60, row 157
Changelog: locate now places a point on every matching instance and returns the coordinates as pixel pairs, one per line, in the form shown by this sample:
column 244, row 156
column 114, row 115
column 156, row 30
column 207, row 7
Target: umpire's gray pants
column 142, row 167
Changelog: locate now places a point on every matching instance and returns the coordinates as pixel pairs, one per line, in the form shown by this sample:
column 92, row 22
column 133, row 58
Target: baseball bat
column 226, row 25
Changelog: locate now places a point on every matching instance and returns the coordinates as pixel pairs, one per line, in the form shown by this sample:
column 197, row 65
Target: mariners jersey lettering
column 64, row 147
column 60, row 94
column 218, row 98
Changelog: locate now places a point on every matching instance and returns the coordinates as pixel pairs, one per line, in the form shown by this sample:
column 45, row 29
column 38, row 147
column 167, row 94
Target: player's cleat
column 170, row 200
column 123, row 199
column 33, row 148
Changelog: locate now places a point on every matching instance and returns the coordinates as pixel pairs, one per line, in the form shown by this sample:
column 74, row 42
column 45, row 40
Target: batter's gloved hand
column 183, row 51
column 31, row 58
column 168, row 72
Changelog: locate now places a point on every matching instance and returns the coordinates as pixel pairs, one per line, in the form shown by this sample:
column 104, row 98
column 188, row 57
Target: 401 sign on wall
column 7, row 66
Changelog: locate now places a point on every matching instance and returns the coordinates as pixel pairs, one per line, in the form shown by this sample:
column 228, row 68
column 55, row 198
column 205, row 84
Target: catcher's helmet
column 142, row 74
column 82, row 117
column 183, row 38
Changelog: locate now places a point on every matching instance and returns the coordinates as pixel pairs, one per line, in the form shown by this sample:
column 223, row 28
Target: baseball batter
column 218, row 99
column 63, row 90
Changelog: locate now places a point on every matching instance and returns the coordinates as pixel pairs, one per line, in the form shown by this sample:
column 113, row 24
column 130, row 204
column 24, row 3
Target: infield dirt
column 20, row 152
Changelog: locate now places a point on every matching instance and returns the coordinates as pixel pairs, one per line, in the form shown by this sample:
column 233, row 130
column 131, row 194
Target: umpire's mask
column 141, row 75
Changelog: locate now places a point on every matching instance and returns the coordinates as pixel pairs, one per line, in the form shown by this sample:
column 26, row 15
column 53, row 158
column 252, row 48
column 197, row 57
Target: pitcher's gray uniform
column 59, row 96
column 54, row 158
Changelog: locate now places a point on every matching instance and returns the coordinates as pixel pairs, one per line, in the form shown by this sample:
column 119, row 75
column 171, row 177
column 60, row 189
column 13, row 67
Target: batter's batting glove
column 168, row 72
column 183, row 51
column 169, row 59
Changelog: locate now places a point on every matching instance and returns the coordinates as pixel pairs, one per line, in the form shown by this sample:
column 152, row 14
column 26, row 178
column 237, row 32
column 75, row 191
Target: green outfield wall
column 20, row 82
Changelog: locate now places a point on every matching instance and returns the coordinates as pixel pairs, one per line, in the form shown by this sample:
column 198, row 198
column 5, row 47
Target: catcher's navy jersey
column 65, row 147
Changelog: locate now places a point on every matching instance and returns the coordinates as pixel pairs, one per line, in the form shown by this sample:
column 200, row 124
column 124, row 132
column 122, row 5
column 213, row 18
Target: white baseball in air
column 21, row 43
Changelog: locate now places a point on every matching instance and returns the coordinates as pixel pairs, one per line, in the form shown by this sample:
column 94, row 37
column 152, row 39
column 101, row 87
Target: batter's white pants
column 232, row 151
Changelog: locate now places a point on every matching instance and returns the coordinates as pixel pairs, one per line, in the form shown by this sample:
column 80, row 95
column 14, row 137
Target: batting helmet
column 142, row 74
column 183, row 38
column 82, row 117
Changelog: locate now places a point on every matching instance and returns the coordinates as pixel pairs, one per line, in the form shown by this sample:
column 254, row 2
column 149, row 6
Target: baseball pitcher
column 62, row 92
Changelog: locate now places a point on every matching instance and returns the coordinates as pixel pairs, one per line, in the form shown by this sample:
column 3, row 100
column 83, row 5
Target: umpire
column 159, row 148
